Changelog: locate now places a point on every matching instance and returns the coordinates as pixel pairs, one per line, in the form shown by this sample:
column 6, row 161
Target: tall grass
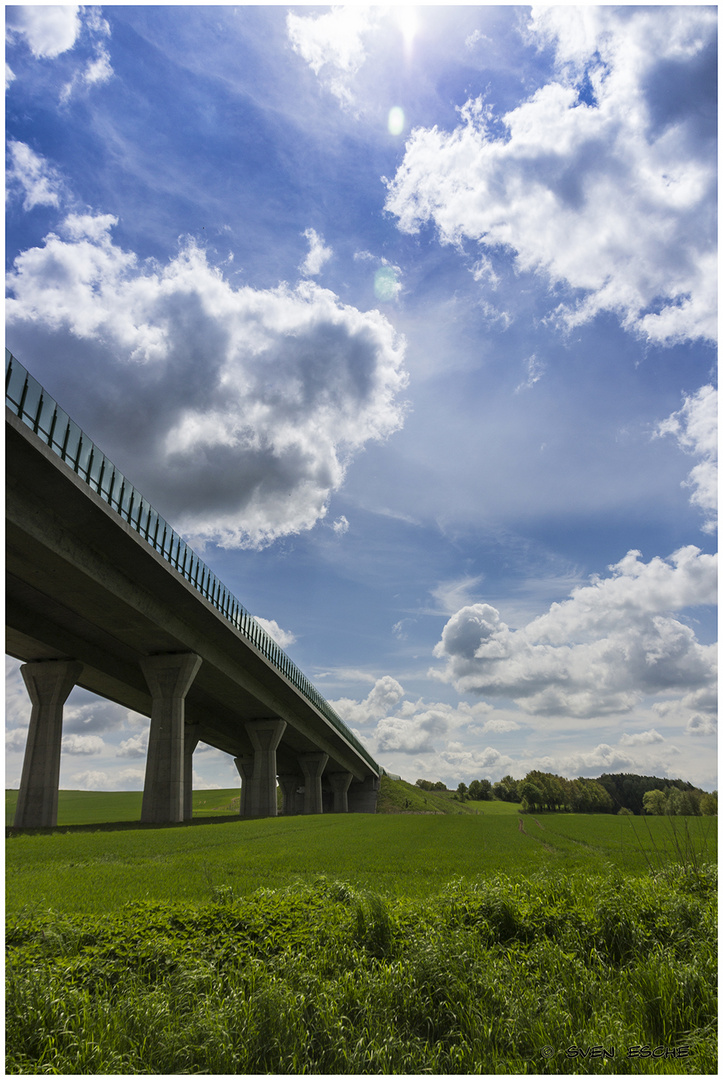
column 488, row 976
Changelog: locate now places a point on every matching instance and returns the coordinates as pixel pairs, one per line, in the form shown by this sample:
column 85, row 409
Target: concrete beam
column 289, row 784
column 48, row 684
column 340, row 782
column 265, row 736
column 190, row 742
column 169, row 678
column 363, row 796
column 313, row 766
column 245, row 766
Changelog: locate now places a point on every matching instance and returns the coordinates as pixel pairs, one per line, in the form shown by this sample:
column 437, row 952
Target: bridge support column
column 363, row 796
column 265, row 737
column 289, row 782
column 169, row 679
column 190, row 742
column 340, row 782
column 245, row 766
column 48, row 683
column 313, row 766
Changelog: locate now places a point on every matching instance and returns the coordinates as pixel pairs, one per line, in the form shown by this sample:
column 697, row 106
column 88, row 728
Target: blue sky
column 405, row 317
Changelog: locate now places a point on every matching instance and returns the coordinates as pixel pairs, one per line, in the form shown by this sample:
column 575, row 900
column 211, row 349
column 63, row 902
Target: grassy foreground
column 557, row 974
column 398, row 943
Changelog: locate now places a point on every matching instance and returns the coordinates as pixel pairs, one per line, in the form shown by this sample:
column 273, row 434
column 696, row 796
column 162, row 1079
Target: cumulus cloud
column 641, row 738
column 15, row 740
column 98, row 780
column 242, row 407
column 701, row 725
column 695, row 426
column 332, row 44
column 48, row 31
column 604, row 180
column 82, row 744
column 136, row 746
column 283, row 638
column 405, row 726
column 600, row 652
column 318, row 254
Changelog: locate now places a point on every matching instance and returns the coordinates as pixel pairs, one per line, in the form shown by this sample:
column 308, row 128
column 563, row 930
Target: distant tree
column 688, row 804
column 532, row 797
column 625, row 812
column 654, row 801
column 709, row 803
column 480, row 789
column 429, row 785
column 462, row 791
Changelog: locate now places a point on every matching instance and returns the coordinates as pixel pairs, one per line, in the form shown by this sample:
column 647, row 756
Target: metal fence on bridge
column 27, row 399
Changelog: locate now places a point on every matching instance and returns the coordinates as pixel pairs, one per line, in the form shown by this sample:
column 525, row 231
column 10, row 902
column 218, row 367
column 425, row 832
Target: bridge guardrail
column 27, row 399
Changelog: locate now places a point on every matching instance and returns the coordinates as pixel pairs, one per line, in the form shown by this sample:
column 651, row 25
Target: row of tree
column 608, row 794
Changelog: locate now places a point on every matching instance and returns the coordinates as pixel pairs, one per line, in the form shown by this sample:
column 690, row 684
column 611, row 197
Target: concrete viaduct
column 102, row 593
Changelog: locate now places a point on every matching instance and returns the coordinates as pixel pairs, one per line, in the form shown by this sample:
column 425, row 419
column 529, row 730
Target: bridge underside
column 88, row 600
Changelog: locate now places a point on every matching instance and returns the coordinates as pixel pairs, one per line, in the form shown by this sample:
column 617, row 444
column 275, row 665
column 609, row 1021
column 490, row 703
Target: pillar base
column 48, row 683
column 265, row 736
column 169, row 679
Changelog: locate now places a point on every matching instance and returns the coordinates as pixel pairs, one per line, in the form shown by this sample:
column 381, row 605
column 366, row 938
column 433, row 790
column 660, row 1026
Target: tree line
column 621, row 793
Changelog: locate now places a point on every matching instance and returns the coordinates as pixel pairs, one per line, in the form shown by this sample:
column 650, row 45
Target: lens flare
column 386, row 285
column 395, row 123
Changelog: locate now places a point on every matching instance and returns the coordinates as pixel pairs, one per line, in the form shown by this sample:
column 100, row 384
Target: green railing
column 25, row 397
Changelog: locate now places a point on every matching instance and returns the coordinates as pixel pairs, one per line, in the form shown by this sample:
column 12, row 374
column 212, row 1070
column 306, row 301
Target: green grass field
column 406, row 942
column 396, row 855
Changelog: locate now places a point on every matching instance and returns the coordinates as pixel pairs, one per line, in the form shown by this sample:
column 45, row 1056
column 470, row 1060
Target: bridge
column 102, row 593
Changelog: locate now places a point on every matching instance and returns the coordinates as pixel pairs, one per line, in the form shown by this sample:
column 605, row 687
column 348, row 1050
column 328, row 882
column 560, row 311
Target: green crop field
column 455, row 938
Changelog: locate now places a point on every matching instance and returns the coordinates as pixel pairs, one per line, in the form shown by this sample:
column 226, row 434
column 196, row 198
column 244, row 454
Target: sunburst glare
column 395, row 122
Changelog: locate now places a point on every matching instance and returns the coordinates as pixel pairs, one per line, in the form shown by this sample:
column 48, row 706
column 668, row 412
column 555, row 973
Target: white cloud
column 452, row 595
column 31, row 175
column 600, row 652
column 15, row 740
column 243, row 407
column 49, row 31
column 499, row 726
column 333, row 45
column 641, row 738
column 136, row 746
column 701, row 725
column 535, row 369
column 283, row 638
column 605, row 180
column 695, row 426
column 318, row 254
column 98, row 780
column 340, row 526
column 98, row 70
column 82, row 744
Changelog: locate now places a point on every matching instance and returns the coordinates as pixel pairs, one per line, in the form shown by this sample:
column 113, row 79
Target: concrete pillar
column 245, row 766
column 289, row 784
column 169, row 679
column 340, row 782
column 265, row 737
column 48, row 683
column 190, row 742
column 363, row 796
column 313, row 766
